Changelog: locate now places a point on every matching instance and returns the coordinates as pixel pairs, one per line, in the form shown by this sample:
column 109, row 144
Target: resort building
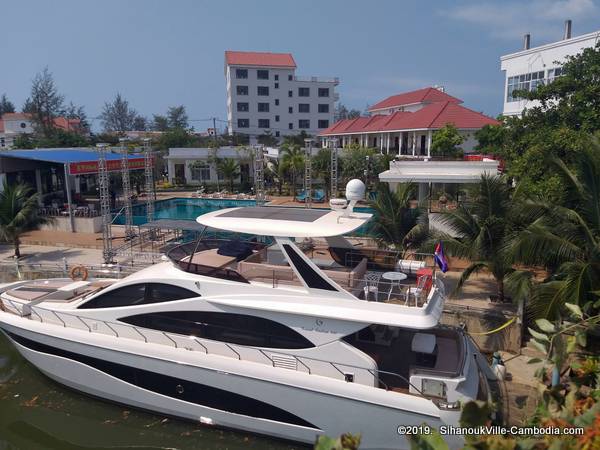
column 199, row 165
column 15, row 124
column 404, row 124
column 532, row 66
column 265, row 95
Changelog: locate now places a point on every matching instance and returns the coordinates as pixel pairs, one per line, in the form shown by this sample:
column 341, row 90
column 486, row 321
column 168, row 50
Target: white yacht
column 271, row 336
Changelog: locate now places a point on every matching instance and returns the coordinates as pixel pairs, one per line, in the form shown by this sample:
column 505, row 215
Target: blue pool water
column 191, row 208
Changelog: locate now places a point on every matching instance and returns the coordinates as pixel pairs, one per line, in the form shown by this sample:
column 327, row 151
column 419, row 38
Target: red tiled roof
column 66, row 124
column 16, row 116
column 426, row 95
column 433, row 116
column 260, row 59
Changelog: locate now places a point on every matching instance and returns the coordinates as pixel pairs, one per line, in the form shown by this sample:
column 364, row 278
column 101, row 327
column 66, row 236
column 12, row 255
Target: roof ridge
column 439, row 113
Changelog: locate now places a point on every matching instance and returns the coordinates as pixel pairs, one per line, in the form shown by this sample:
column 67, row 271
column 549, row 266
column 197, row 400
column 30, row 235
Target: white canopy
column 438, row 171
column 284, row 222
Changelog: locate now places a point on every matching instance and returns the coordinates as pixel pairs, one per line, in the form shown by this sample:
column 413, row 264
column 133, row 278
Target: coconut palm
column 479, row 229
column 292, row 161
column 229, row 168
column 565, row 239
column 18, row 213
column 398, row 225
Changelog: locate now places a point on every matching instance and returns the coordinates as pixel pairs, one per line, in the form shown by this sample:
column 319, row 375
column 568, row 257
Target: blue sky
column 163, row 53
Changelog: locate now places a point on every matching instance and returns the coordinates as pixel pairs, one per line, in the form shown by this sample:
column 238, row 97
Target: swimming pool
column 191, row 208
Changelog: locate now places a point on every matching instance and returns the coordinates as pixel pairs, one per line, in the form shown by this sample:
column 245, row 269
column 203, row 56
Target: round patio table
column 394, row 277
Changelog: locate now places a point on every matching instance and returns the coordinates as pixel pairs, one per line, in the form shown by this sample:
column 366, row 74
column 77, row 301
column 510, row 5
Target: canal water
column 39, row 414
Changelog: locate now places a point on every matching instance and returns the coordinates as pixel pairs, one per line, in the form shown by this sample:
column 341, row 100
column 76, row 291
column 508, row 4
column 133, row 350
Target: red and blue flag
column 440, row 258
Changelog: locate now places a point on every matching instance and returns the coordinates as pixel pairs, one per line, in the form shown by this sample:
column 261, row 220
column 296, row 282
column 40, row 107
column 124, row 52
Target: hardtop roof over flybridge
column 284, row 222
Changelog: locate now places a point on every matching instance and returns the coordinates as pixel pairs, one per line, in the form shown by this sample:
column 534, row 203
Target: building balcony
column 334, row 80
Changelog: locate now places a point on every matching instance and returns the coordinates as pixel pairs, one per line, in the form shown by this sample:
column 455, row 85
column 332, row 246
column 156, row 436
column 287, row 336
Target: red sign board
column 87, row 167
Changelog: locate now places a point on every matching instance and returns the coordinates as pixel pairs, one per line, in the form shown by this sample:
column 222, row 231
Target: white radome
column 355, row 190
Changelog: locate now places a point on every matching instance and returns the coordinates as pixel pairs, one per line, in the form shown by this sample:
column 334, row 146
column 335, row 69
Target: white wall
column 285, row 102
column 542, row 58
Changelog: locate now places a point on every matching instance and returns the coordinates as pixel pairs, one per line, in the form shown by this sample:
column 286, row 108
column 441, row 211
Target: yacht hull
column 295, row 410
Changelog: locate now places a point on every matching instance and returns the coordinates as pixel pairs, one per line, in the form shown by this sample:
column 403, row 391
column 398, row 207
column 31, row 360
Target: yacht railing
column 272, row 357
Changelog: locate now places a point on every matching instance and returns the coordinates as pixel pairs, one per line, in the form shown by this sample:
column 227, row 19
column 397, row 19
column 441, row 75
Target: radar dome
column 355, row 190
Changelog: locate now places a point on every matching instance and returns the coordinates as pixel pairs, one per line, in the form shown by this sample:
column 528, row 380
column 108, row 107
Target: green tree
column 229, row 168
column 140, row 123
column 341, row 112
column 292, row 162
column 447, row 141
column 77, row 112
column 267, row 139
column 398, row 224
column 45, row 103
column 296, row 139
column 117, row 116
column 177, row 117
column 160, row 123
column 480, row 228
column 490, row 138
column 6, row 106
column 565, row 239
column 18, row 213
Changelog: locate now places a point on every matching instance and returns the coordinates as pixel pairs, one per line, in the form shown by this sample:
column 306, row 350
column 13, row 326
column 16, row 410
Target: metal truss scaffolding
column 259, row 175
column 103, row 182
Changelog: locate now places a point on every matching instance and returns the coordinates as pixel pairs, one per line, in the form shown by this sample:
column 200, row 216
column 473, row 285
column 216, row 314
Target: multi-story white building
column 265, row 95
column 530, row 67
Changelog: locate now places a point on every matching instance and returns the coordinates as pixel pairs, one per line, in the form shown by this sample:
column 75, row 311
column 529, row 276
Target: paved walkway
column 37, row 254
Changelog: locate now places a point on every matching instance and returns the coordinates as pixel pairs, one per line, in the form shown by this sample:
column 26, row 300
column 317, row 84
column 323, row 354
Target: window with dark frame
column 276, row 77
column 276, row 118
column 323, row 108
column 290, row 77
column 323, row 92
column 303, row 108
column 263, row 107
column 264, row 123
column 290, row 110
column 276, row 85
column 276, row 102
column 241, row 73
column 303, row 92
column 262, row 74
column 139, row 294
column 243, row 106
column 243, row 123
column 262, row 90
column 223, row 327
column 242, row 90
column 304, row 123
column 291, row 126
column 290, row 93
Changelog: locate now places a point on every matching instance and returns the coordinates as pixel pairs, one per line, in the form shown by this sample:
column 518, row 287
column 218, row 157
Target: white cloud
column 511, row 19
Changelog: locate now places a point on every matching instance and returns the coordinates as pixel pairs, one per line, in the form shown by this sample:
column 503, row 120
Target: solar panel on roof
column 274, row 213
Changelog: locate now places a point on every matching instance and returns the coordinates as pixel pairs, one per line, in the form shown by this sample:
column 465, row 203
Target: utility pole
column 214, row 119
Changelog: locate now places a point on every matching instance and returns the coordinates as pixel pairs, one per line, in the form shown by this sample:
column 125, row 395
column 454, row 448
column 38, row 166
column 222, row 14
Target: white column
column 381, row 143
column 429, row 136
column 414, row 142
column 38, row 186
column 387, row 150
column 77, row 185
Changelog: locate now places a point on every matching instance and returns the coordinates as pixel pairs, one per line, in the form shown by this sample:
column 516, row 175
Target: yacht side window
column 224, row 327
column 139, row 294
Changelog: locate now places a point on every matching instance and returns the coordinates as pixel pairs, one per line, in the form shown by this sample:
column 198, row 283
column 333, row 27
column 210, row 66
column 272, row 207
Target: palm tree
column 397, row 223
column 479, row 229
column 18, row 213
column 565, row 239
column 292, row 160
column 229, row 168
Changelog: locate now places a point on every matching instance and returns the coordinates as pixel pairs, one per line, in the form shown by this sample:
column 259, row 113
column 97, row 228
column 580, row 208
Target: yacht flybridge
column 295, row 333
